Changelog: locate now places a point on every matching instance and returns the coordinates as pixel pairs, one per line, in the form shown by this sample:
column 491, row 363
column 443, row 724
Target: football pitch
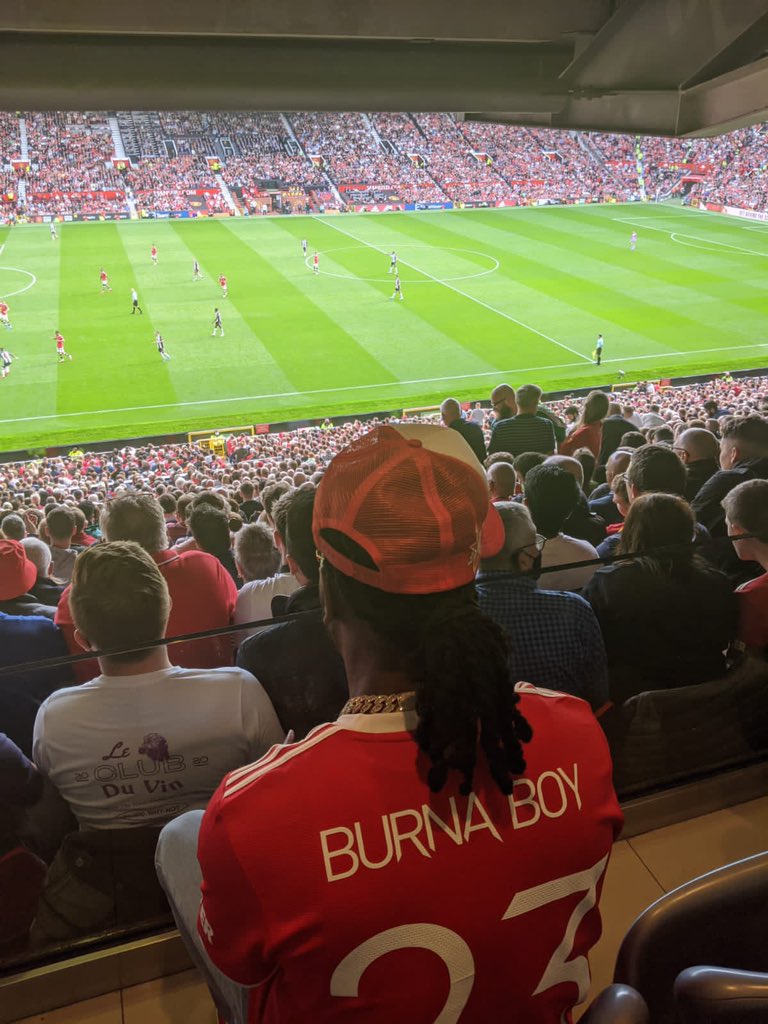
column 489, row 295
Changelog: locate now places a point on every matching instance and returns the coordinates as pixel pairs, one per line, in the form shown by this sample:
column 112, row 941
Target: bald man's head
column 502, row 481
column 450, row 411
column 696, row 444
column 570, row 465
column 503, row 401
column 616, row 463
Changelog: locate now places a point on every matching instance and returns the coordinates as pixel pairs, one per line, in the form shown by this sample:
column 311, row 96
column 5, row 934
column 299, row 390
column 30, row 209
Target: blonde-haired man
column 144, row 740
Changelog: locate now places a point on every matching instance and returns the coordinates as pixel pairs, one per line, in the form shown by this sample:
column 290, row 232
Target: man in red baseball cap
column 438, row 851
column 17, row 577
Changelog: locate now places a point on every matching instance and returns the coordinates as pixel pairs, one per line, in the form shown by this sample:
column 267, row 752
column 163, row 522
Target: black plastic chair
column 715, row 995
column 617, row 1004
column 720, row 918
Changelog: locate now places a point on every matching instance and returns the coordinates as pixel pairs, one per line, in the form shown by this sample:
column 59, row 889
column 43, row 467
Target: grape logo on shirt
column 143, row 773
column 155, row 747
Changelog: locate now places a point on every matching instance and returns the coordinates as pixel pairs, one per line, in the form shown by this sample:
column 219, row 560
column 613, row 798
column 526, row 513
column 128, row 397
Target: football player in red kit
column 223, row 285
column 103, row 277
column 61, row 352
column 316, row 264
column 153, row 253
column 437, row 852
column 4, row 315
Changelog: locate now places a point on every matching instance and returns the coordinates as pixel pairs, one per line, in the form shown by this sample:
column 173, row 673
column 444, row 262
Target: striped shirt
column 525, row 432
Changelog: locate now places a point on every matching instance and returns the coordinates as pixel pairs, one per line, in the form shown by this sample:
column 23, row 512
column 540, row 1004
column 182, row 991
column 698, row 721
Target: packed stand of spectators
column 113, row 551
column 541, row 165
column 84, row 204
column 740, row 179
column 353, row 157
column 425, row 157
column 70, row 152
column 244, row 172
column 10, row 149
column 169, row 184
column 463, row 177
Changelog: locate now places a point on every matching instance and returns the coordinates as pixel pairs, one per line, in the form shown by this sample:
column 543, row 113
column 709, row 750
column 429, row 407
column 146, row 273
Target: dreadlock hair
column 457, row 660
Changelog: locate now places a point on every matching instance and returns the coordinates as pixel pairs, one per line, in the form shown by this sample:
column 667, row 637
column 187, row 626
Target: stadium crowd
column 112, row 551
column 609, row 549
column 368, row 158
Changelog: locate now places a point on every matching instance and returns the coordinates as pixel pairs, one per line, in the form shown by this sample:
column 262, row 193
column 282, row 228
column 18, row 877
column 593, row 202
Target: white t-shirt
column 126, row 751
column 560, row 550
column 652, row 419
column 254, row 601
column 477, row 416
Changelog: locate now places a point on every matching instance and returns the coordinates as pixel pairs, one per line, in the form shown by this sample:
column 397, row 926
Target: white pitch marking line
column 384, row 280
column 695, row 245
column 18, row 270
column 686, row 234
column 627, row 360
column 464, row 294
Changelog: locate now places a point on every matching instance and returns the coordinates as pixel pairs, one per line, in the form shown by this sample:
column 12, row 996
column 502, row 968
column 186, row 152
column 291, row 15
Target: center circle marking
column 418, row 270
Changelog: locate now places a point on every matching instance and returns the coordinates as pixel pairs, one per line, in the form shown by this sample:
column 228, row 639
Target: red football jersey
column 343, row 890
column 103, row 275
column 222, row 281
column 3, row 308
column 154, row 251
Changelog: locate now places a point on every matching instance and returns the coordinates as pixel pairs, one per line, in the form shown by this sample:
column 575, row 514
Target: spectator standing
column 554, row 638
column 432, row 723
column 525, row 432
column 615, row 425
column 203, row 593
column 60, row 527
column 259, row 564
column 451, row 415
column 652, row 418
column 503, row 402
column 667, row 618
column 250, row 506
column 210, row 529
column 477, row 415
column 589, row 432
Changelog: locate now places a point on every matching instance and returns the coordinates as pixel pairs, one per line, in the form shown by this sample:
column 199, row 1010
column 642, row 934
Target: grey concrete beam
column 488, row 20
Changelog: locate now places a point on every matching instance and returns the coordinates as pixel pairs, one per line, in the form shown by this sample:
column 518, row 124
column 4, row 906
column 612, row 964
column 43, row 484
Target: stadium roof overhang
column 672, row 67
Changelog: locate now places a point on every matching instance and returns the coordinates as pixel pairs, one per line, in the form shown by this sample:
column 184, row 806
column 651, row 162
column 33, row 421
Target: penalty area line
column 627, row 360
column 459, row 291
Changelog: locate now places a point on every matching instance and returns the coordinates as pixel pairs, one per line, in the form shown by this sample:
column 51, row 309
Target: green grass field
column 489, row 295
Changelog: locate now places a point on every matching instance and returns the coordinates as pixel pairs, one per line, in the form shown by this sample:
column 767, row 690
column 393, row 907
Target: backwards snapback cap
column 17, row 573
column 413, row 500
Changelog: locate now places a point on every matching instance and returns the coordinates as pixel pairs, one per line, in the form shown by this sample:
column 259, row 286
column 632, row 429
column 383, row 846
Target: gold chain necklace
column 380, row 703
